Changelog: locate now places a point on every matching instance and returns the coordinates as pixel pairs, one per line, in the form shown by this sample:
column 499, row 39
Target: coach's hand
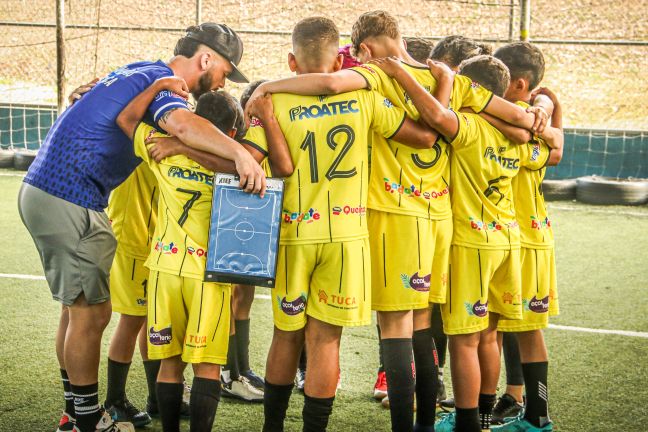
column 81, row 90
column 252, row 177
column 390, row 65
column 174, row 84
column 163, row 147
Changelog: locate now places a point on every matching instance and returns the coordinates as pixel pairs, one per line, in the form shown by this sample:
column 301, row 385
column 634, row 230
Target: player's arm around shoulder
column 514, row 134
column 277, row 148
column 553, row 135
column 433, row 112
column 132, row 114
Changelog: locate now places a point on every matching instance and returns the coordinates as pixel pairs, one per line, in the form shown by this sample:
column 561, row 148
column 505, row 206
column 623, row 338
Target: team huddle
column 412, row 188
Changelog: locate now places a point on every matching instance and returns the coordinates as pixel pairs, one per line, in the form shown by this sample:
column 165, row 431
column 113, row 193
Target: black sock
column 231, row 370
column 151, row 369
column 467, row 420
column 316, row 413
column 169, row 397
column 205, row 394
column 537, row 395
column 400, row 382
column 486, row 405
column 116, row 386
column 86, row 406
column 242, row 344
column 427, row 377
column 275, row 405
column 67, row 393
column 514, row 375
column 302, row 359
column 381, row 360
column 440, row 338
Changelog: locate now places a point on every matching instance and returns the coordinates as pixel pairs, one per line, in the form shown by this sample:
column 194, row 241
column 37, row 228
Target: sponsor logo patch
column 416, row 282
column 160, row 337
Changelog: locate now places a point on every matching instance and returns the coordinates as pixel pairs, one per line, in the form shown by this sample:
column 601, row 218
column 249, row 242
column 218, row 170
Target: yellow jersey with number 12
column 132, row 209
column 325, row 198
column 411, row 181
column 180, row 240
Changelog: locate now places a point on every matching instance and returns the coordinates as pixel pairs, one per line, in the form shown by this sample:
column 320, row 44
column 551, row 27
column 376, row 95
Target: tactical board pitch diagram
column 244, row 233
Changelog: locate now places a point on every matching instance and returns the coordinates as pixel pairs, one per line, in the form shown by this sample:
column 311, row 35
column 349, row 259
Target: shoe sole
column 379, row 395
column 241, row 398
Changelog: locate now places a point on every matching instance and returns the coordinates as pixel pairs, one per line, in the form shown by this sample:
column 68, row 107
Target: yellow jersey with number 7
column 180, row 240
column 325, row 198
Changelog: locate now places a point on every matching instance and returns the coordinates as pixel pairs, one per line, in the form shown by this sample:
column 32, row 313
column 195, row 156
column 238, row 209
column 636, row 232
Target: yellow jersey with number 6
column 180, row 241
column 325, row 198
column 412, row 181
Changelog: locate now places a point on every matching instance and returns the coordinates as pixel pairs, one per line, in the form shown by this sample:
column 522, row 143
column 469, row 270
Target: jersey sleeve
column 165, row 101
column 387, row 118
column 373, row 75
column 467, row 130
column 471, row 93
column 142, row 132
column 255, row 137
column 534, row 155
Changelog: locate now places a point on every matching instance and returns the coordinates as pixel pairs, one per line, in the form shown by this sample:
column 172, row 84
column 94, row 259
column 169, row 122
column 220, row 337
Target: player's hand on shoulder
column 174, row 84
column 258, row 93
column 163, row 147
column 252, row 177
column 547, row 92
column 541, row 118
column 440, row 70
column 261, row 107
column 390, row 65
column 78, row 92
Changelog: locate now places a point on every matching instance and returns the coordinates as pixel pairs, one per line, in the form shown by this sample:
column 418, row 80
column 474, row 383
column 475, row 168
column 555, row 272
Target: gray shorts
column 76, row 245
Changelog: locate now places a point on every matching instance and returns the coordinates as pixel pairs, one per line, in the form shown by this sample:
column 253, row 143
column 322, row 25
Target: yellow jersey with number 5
column 180, row 241
column 325, row 199
column 412, row 181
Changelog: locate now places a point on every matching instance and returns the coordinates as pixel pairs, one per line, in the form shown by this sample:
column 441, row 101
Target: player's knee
column 290, row 337
column 319, row 332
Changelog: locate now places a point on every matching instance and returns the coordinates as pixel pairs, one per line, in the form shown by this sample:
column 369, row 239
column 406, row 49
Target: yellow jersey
column 132, row 209
column 180, row 240
column 530, row 206
column 325, row 198
column 412, row 181
column 484, row 163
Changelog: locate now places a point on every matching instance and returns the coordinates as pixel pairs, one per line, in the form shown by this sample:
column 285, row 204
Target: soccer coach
column 83, row 158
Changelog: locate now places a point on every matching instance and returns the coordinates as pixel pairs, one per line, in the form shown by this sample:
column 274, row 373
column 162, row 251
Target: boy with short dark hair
column 485, row 245
column 419, row 48
column 452, row 50
column 323, row 281
column 408, row 199
column 539, row 289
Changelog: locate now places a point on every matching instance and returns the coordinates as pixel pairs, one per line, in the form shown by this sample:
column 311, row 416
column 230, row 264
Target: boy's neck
column 520, row 97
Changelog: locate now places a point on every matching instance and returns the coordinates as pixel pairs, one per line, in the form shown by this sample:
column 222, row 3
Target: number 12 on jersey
column 332, row 172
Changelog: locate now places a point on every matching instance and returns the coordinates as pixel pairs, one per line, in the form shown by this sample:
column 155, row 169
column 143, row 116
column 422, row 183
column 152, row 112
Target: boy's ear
column 364, row 47
column 232, row 133
column 339, row 61
column 521, row 85
column 292, row 62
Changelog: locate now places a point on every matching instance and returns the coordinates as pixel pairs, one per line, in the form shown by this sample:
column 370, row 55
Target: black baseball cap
column 224, row 41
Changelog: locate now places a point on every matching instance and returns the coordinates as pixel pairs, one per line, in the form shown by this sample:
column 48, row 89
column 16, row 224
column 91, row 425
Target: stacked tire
column 559, row 190
column 17, row 159
column 612, row 191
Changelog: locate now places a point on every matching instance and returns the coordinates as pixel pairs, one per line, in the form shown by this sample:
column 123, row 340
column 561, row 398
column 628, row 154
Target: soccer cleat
column 254, row 379
column 242, row 389
column 446, row 422
column 125, row 411
column 300, row 379
column 441, row 394
column 385, row 403
column 106, row 424
column 447, row 405
column 519, row 424
column 506, row 406
column 153, row 411
column 380, row 388
column 66, row 424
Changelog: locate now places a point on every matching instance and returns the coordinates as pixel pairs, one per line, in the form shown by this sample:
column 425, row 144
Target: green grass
column 597, row 382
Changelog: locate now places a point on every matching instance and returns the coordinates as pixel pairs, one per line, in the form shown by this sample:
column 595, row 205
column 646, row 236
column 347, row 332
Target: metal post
column 511, row 20
column 60, row 55
column 198, row 12
column 525, row 20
